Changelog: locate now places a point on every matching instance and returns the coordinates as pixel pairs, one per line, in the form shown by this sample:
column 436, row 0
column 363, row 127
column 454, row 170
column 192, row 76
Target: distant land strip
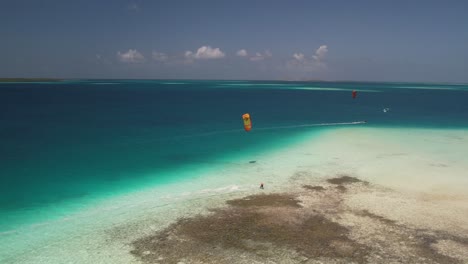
column 30, row 80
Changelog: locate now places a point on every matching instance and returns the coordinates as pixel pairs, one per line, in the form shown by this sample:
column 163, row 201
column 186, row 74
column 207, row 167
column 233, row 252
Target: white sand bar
column 421, row 175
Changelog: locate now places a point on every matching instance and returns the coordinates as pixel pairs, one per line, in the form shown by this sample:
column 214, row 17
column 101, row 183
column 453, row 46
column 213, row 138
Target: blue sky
column 330, row 40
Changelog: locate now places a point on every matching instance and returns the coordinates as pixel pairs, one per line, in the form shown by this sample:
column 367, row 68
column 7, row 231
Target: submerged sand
column 354, row 195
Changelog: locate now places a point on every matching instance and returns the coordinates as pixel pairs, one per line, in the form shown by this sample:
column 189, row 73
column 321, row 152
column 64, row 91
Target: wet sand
column 318, row 222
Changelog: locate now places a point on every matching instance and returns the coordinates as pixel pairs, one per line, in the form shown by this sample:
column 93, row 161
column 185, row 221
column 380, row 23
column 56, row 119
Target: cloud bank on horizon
column 299, row 63
column 205, row 53
column 130, row 56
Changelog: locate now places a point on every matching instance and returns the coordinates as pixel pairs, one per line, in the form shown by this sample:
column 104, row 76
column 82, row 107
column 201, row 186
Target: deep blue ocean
column 61, row 141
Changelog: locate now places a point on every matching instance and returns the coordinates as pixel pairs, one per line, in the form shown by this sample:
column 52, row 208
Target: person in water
column 261, row 185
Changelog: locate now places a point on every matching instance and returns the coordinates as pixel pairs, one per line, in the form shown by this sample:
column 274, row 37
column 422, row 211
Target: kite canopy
column 247, row 122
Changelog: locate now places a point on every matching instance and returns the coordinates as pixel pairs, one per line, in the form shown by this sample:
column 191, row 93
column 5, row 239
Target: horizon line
column 47, row 79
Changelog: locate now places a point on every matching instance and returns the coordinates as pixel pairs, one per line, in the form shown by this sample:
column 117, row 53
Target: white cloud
column 302, row 63
column 131, row 56
column 261, row 56
column 159, row 56
column 242, row 53
column 205, row 52
column 298, row 56
column 320, row 53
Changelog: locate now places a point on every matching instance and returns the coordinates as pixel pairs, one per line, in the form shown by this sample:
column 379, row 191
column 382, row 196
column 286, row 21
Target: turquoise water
column 68, row 144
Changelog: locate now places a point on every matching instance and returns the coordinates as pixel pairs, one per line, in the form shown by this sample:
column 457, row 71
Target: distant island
column 29, row 80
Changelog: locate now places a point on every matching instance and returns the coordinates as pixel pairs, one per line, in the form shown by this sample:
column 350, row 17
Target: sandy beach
column 348, row 195
column 322, row 223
